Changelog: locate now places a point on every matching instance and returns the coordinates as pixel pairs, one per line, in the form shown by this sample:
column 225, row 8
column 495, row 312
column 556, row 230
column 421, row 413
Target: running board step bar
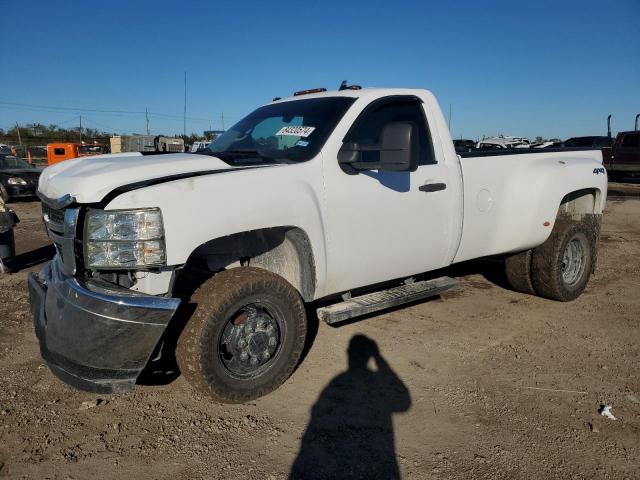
column 392, row 297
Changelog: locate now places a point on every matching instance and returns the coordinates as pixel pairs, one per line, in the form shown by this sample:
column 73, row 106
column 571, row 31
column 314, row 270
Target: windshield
column 13, row 162
column 281, row 132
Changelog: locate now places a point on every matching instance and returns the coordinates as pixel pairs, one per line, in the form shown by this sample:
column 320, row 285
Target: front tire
column 245, row 336
column 560, row 267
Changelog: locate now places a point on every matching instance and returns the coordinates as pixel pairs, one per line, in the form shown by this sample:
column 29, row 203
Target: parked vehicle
column 200, row 146
column 593, row 141
column 169, row 144
column 5, row 149
column 501, row 142
column 547, row 144
column 18, row 179
column 132, row 143
column 623, row 158
column 462, row 145
column 58, row 152
column 347, row 196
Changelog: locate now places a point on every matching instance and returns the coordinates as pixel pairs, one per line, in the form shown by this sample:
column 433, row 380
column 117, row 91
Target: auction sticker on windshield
column 296, row 131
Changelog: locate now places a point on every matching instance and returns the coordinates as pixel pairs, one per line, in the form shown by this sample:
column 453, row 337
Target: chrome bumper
column 94, row 335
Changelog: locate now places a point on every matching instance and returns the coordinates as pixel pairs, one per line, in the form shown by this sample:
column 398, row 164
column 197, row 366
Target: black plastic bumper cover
column 93, row 336
column 21, row 190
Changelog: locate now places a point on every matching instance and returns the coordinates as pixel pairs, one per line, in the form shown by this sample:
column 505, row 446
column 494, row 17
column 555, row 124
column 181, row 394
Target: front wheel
column 560, row 267
column 245, row 337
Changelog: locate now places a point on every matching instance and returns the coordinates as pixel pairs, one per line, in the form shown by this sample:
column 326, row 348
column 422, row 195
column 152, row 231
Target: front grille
column 53, row 217
column 61, row 228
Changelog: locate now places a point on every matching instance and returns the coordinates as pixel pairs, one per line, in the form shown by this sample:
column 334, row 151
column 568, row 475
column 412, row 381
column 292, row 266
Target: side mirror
column 349, row 155
column 396, row 149
column 397, row 146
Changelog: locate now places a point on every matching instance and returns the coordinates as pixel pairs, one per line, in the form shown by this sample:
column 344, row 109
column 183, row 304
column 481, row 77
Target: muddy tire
column 245, row 336
column 560, row 267
column 518, row 272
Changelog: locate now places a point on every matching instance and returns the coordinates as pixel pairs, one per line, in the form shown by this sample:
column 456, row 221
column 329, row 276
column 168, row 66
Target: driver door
column 384, row 225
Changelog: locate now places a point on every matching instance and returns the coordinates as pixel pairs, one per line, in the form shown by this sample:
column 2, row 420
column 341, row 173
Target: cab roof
column 368, row 92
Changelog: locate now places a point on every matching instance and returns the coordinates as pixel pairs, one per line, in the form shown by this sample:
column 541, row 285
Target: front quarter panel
column 202, row 208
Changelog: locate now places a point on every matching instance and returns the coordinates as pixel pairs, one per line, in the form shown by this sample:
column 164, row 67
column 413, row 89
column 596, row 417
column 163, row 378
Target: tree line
column 35, row 134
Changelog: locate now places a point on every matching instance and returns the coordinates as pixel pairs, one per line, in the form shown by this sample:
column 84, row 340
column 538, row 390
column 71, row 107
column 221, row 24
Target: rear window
column 58, row 151
column 631, row 140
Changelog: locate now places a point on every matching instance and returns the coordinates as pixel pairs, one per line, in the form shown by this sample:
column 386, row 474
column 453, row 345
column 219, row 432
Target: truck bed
column 511, row 197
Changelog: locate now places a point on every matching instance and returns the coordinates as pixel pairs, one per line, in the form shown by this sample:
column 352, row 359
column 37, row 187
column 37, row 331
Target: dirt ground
column 480, row 383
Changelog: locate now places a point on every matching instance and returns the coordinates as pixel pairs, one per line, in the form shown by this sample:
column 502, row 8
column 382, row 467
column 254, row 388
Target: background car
column 18, row 178
column 623, row 158
column 464, row 145
column 594, row 141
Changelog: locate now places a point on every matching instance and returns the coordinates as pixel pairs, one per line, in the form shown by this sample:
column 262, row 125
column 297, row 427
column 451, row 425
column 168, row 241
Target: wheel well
column 285, row 251
column 581, row 202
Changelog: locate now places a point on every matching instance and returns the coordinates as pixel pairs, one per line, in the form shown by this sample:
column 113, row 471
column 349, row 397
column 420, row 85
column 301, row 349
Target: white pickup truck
column 347, row 196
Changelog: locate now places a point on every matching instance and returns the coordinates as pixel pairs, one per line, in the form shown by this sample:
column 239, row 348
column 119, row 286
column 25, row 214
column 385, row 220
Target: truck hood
column 90, row 179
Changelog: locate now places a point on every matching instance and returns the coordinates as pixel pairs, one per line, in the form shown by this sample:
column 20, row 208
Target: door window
column 368, row 127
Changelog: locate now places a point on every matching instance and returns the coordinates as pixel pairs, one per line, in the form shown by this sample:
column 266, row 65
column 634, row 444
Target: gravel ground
column 480, row 383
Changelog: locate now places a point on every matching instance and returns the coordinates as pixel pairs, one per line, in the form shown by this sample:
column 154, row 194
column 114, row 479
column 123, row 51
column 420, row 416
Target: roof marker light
column 307, row 92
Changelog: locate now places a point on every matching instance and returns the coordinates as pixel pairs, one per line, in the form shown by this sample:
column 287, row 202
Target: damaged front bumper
column 94, row 335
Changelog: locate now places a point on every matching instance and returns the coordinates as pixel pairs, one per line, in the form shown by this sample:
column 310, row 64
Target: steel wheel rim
column 573, row 261
column 251, row 341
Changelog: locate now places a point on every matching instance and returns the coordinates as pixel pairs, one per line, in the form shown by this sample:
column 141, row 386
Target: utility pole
column 184, row 121
column 146, row 114
column 80, row 128
column 18, row 130
column 222, row 120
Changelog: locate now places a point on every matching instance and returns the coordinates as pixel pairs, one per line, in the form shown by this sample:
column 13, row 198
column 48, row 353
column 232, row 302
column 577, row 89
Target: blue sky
column 546, row 68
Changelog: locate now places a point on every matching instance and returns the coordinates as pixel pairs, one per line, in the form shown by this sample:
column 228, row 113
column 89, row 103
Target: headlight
column 16, row 181
column 124, row 239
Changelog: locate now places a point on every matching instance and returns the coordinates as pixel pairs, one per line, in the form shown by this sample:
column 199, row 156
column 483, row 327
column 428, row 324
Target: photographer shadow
column 350, row 434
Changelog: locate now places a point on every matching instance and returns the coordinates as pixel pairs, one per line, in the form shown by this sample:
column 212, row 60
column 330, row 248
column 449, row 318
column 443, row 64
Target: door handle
column 432, row 187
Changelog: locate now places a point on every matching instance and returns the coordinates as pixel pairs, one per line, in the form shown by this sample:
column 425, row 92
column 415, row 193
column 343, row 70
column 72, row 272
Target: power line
column 57, row 109
column 49, row 107
column 66, row 121
column 93, row 122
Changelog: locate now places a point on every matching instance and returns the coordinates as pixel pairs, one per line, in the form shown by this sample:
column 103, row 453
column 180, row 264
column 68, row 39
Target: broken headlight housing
column 124, row 239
